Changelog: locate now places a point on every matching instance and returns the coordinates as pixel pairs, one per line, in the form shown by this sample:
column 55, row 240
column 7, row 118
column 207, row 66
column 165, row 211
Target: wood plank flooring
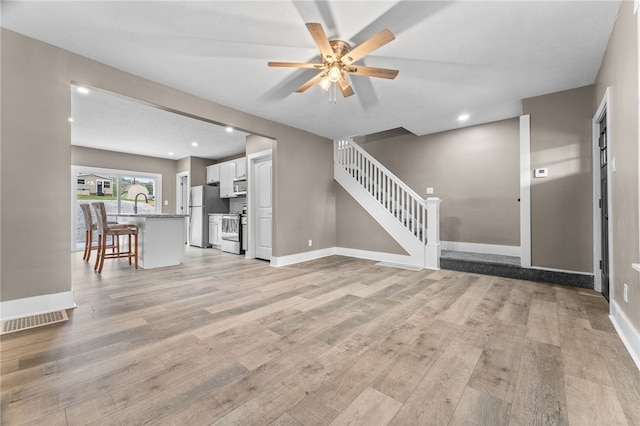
column 221, row 340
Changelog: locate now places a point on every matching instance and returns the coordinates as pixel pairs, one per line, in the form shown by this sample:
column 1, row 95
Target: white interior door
column 263, row 208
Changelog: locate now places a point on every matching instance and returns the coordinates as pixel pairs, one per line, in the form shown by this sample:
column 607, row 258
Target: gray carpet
column 509, row 267
column 480, row 257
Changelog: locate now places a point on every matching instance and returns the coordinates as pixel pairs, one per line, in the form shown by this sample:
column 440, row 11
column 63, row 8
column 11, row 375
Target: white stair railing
column 417, row 216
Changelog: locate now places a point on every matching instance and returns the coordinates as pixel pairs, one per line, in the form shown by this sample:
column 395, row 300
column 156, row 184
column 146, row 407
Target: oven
column 231, row 233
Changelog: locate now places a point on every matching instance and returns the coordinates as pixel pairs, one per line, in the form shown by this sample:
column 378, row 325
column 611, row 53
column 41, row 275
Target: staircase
column 409, row 219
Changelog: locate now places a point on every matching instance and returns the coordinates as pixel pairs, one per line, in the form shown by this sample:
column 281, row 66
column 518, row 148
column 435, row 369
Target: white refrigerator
column 204, row 200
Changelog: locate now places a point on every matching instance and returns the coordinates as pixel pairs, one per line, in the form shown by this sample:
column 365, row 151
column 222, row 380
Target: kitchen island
column 161, row 238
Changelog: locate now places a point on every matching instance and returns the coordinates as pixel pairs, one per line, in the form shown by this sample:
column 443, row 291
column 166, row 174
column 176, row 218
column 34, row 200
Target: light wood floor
column 227, row 341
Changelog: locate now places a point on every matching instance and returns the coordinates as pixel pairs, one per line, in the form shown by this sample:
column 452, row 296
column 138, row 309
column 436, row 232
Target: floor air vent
column 10, row 326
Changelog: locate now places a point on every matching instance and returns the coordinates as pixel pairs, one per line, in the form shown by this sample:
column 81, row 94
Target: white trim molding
column 252, row 224
column 301, row 257
column 389, row 258
column 397, row 259
column 525, row 191
column 627, row 332
column 603, row 108
column 566, row 271
column 28, row 306
column 482, row 248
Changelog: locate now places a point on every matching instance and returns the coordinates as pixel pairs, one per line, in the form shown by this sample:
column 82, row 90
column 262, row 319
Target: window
column 117, row 189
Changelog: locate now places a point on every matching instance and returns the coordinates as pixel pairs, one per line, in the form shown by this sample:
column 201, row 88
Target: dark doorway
column 604, row 208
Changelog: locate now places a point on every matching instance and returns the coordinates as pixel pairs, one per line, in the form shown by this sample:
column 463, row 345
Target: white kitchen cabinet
column 241, row 168
column 227, row 175
column 213, row 173
column 215, row 230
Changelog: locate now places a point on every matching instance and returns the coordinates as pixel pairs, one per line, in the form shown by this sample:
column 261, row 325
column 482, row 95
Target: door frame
column 603, row 108
column 252, row 159
column 179, row 177
column 525, row 191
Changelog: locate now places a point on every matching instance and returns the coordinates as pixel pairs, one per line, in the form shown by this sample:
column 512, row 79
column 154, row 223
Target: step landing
column 509, row 267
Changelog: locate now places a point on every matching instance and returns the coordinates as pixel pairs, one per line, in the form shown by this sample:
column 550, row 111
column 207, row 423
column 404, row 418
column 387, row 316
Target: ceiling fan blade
column 372, row 72
column 345, row 87
column 310, row 82
column 368, row 46
column 322, row 41
column 294, row 65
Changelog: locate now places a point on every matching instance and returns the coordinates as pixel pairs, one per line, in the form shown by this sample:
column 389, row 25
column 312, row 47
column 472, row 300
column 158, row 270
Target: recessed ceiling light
column 229, row 129
column 463, row 117
column 194, row 143
column 170, row 153
column 83, row 90
column 70, row 119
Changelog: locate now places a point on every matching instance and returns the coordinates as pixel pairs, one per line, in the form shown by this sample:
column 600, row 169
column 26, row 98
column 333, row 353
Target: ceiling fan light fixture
column 334, row 74
column 337, row 61
column 325, row 83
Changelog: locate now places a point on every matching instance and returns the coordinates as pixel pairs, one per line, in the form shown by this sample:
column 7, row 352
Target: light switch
column 166, row 202
column 429, row 190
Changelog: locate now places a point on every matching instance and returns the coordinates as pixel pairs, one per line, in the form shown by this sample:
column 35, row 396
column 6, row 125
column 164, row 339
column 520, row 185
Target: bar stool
column 115, row 231
column 90, row 227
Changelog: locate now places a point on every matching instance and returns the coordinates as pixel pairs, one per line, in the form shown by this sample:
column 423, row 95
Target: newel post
column 432, row 249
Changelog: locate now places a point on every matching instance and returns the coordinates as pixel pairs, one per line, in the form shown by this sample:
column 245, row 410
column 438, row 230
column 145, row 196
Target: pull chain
column 333, row 93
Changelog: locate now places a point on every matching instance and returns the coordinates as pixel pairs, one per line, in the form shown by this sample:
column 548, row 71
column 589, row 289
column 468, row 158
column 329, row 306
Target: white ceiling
column 106, row 121
column 473, row 57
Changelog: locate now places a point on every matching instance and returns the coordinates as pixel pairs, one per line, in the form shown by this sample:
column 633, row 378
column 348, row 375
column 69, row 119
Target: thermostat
column 540, row 173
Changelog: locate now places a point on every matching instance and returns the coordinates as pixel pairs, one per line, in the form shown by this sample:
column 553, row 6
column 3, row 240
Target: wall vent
column 13, row 325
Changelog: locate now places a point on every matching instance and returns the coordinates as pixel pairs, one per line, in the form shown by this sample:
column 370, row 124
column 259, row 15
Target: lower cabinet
column 215, row 230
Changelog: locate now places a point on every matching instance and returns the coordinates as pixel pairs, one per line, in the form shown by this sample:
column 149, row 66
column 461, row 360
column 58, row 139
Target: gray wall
column 35, row 132
column 83, row 156
column 183, row 164
column 561, row 204
column 198, row 170
column 474, row 170
column 619, row 72
column 304, row 171
column 356, row 229
column 256, row 143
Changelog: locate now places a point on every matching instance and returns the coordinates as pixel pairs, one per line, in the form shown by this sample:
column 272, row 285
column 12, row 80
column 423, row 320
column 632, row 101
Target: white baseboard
column 627, row 332
column 400, row 259
column 302, row 257
column 566, row 271
column 20, row 308
column 343, row 251
column 481, row 248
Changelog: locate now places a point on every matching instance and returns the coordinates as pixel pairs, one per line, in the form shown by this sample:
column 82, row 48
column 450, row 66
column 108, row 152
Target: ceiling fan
column 338, row 60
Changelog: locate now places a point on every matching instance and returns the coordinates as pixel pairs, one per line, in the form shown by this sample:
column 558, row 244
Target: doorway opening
column 602, row 169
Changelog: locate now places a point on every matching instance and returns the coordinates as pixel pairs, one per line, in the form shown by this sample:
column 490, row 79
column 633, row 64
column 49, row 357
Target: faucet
column 135, row 202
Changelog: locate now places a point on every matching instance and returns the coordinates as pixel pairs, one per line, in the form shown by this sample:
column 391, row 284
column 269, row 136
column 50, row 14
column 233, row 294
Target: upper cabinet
column 229, row 175
column 241, row 168
column 213, row 173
